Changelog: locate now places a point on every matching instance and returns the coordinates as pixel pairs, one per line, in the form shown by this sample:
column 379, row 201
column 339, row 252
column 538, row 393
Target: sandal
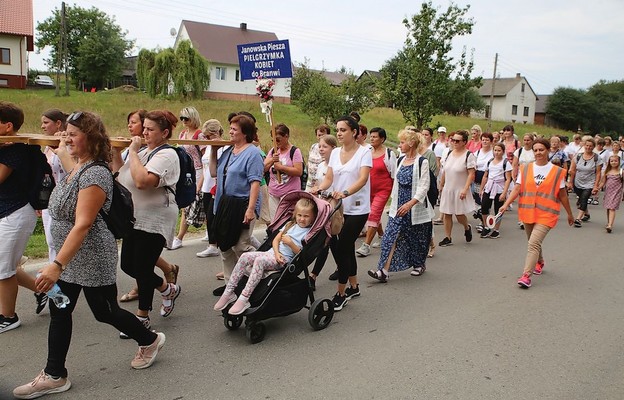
column 418, row 271
column 130, row 296
column 431, row 250
column 380, row 275
column 220, row 276
column 609, row 230
column 172, row 276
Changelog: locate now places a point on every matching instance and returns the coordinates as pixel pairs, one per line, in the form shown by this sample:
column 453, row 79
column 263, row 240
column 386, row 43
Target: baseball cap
column 441, row 129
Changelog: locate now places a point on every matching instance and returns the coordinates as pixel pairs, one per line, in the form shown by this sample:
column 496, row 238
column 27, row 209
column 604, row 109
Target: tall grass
column 114, row 105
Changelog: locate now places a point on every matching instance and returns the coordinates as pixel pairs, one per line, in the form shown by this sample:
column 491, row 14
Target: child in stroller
column 285, row 245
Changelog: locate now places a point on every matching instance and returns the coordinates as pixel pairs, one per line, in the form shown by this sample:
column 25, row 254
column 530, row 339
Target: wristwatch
column 345, row 193
column 58, row 264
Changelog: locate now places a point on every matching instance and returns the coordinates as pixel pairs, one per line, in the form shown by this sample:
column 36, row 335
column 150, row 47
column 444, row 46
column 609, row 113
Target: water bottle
column 57, row 296
column 189, row 181
column 46, row 189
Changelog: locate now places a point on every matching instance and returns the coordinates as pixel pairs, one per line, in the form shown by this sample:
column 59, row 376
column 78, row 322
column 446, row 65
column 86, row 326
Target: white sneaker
column 364, row 250
column 205, row 238
column 376, row 244
column 177, row 243
column 211, row 251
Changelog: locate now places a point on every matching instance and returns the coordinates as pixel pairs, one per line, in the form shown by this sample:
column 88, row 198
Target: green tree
column 608, row 99
column 570, row 108
column 91, row 33
column 318, row 98
column 183, row 72
column 420, row 75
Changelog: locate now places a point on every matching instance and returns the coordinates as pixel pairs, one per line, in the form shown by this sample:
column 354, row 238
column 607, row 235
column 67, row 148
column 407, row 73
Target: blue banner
column 266, row 59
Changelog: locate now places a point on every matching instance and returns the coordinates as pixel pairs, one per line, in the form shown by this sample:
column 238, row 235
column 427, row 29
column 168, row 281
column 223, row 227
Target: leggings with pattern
column 253, row 264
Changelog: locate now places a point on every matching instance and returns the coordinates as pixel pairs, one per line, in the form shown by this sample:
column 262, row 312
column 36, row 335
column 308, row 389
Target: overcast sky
column 553, row 43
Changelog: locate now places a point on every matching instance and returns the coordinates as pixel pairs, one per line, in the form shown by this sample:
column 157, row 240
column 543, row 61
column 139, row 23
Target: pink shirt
column 289, row 183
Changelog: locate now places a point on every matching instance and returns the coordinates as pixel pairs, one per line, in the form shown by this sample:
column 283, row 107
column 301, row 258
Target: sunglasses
column 184, row 119
column 456, row 140
column 75, row 116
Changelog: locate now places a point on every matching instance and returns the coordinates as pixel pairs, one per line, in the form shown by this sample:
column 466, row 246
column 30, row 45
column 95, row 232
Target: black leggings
column 343, row 246
column 208, row 201
column 583, row 196
column 139, row 252
column 320, row 261
column 103, row 303
column 486, row 203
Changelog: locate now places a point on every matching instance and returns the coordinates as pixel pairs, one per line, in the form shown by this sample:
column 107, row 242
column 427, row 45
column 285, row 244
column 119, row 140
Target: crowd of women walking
column 238, row 186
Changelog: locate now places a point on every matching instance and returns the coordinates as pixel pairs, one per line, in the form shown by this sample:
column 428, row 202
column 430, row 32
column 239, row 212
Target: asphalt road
column 463, row 330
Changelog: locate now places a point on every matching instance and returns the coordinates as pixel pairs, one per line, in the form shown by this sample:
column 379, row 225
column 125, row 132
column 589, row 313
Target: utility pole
column 59, row 53
column 492, row 94
column 65, row 47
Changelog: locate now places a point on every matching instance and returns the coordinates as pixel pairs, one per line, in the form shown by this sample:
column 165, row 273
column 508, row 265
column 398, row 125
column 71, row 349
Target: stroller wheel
column 320, row 314
column 232, row 322
column 255, row 332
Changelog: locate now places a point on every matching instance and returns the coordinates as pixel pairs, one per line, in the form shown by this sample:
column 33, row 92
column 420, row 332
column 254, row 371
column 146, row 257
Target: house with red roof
column 16, row 40
column 217, row 43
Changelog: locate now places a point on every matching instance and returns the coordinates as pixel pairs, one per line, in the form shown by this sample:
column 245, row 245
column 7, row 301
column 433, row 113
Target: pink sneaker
column 147, row 354
column 538, row 268
column 240, row 306
column 225, row 300
column 43, row 384
column 525, row 281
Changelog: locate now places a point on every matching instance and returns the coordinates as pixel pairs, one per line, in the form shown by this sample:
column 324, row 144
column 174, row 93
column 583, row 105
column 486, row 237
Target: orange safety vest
column 540, row 204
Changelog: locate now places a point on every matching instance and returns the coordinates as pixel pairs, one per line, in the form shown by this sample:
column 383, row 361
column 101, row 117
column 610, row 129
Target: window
column 4, row 82
column 526, row 111
column 514, row 110
column 522, row 88
column 237, row 79
column 220, row 73
column 5, row 56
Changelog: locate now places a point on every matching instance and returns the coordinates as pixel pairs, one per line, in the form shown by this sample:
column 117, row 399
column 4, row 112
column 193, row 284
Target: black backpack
column 120, row 218
column 40, row 174
column 186, row 189
column 304, row 171
column 432, row 192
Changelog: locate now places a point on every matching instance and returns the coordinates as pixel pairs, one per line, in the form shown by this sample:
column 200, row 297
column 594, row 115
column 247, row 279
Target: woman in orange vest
column 542, row 190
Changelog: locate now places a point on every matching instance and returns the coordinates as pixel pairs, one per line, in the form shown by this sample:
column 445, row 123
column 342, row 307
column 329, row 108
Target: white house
column 16, row 40
column 217, row 43
column 514, row 100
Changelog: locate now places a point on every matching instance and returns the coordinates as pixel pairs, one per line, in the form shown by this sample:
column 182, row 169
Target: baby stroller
column 284, row 292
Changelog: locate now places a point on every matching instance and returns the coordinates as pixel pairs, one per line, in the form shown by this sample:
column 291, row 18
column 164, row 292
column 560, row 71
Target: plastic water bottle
column 57, row 296
column 46, row 188
column 189, row 181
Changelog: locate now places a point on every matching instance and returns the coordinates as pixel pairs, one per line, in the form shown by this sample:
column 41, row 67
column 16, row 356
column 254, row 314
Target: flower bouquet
column 264, row 90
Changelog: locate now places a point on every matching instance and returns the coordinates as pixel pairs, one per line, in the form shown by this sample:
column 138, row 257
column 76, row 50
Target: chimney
column 243, row 26
column 518, row 75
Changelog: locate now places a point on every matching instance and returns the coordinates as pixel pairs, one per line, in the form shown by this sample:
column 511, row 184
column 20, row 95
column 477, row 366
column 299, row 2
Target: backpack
column 120, row 217
column 579, row 155
column 41, row 174
column 432, row 192
column 186, row 189
column 304, row 172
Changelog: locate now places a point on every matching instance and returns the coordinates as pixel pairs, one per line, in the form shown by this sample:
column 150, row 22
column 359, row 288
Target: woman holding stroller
column 409, row 229
column 348, row 174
